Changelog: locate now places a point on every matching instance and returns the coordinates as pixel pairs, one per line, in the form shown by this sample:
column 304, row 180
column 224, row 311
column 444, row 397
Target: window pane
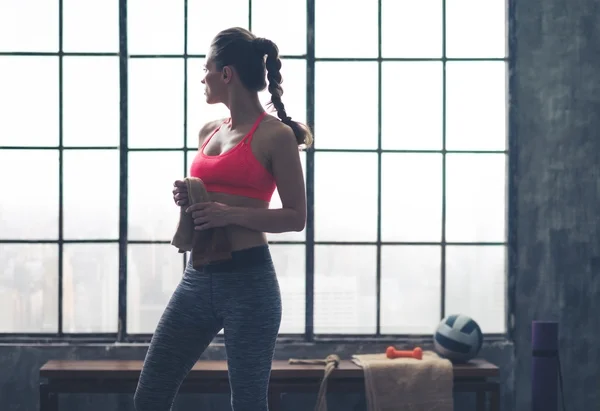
column 276, row 203
column 28, row 87
column 485, row 18
column 91, row 86
column 153, row 214
column 411, row 197
column 476, row 198
column 290, row 264
column 190, row 158
column 345, row 296
column 334, row 82
column 153, row 273
column 411, row 29
column 38, row 205
column 155, row 26
column 28, row 288
column 28, row 25
column 475, row 284
column 90, row 288
column 345, row 29
column 207, row 18
column 91, row 194
column 476, row 105
column 411, row 106
column 410, row 283
column 294, row 89
column 156, row 103
column 91, row 26
column 345, row 200
column 198, row 112
column 288, row 33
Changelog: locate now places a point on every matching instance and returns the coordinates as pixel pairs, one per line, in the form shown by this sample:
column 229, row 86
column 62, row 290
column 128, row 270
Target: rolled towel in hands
column 207, row 245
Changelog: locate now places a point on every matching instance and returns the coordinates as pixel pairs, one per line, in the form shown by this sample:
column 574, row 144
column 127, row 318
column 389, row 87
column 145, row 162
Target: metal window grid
column 309, row 335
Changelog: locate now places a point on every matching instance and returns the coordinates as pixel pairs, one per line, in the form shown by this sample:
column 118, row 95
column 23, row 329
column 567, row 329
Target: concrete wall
column 558, row 190
column 557, row 276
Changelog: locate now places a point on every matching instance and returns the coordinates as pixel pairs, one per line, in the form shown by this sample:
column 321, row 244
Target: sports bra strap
column 248, row 137
column 207, row 139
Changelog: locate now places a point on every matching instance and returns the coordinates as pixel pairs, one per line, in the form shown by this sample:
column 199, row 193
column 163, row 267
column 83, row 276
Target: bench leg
column 480, row 397
column 275, row 400
column 495, row 398
column 48, row 399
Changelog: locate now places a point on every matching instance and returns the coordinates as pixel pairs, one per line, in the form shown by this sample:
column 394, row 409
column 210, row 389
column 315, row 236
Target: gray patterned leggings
column 242, row 297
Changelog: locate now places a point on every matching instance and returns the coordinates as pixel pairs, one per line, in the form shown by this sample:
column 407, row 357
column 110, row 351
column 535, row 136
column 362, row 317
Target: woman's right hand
column 180, row 194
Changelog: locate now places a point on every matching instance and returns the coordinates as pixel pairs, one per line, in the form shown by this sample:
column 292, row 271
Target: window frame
column 122, row 336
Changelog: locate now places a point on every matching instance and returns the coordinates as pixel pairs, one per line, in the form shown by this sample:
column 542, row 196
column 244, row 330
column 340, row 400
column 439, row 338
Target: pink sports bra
column 237, row 171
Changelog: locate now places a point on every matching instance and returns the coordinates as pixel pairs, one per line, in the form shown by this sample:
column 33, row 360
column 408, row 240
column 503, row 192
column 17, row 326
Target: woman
column 241, row 160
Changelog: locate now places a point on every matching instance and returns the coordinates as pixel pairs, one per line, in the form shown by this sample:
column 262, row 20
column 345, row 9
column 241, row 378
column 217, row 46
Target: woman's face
column 215, row 88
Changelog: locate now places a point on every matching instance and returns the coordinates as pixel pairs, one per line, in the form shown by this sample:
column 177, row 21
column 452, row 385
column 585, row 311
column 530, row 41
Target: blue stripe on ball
column 450, row 320
column 452, row 345
column 469, row 327
column 480, row 339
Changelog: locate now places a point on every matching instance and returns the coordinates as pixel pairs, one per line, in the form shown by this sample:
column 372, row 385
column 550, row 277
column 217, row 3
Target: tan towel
column 406, row 384
column 207, row 245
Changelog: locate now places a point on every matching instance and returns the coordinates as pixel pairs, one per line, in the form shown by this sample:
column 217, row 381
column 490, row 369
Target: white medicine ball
column 458, row 338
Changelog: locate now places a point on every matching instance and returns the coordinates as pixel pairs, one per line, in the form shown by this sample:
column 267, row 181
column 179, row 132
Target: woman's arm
column 287, row 170
column 278, row 220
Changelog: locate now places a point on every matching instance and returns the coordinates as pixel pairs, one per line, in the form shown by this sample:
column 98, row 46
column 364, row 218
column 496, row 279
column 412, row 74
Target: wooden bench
column 207, row 377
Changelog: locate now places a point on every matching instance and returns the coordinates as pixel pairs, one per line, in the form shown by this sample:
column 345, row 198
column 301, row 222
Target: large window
column 100, row 106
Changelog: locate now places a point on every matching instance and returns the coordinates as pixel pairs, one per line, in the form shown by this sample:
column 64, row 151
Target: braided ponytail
column 266, row 47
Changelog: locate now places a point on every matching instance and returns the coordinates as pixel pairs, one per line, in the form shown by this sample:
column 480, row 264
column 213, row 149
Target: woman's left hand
column 209, row 215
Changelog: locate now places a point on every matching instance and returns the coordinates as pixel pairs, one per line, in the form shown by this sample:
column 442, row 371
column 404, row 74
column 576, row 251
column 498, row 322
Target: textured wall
column 558, row 190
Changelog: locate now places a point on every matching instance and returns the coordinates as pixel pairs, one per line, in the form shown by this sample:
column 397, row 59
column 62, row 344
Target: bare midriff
column 241, row 237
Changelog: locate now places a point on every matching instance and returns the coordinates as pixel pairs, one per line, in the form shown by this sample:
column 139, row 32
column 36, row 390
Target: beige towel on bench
column 207, row 245
column 406, row 384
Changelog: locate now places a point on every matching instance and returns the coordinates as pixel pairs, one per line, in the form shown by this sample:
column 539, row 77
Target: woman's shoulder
column 274, row 130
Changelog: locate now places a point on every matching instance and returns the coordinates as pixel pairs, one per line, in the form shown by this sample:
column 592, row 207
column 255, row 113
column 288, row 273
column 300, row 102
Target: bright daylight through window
column 406, row 183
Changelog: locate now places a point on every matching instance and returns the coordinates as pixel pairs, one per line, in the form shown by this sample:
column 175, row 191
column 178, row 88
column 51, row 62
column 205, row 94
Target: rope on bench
column 331, row 362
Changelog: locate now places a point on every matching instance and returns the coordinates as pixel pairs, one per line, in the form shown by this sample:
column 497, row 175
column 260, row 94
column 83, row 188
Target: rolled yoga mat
column 544, row 366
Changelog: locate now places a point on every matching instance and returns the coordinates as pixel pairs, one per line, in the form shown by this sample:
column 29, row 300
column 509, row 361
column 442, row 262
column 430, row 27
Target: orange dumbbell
column 417, row 353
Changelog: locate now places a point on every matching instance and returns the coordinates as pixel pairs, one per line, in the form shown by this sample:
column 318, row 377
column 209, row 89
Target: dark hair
column 244, row 51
